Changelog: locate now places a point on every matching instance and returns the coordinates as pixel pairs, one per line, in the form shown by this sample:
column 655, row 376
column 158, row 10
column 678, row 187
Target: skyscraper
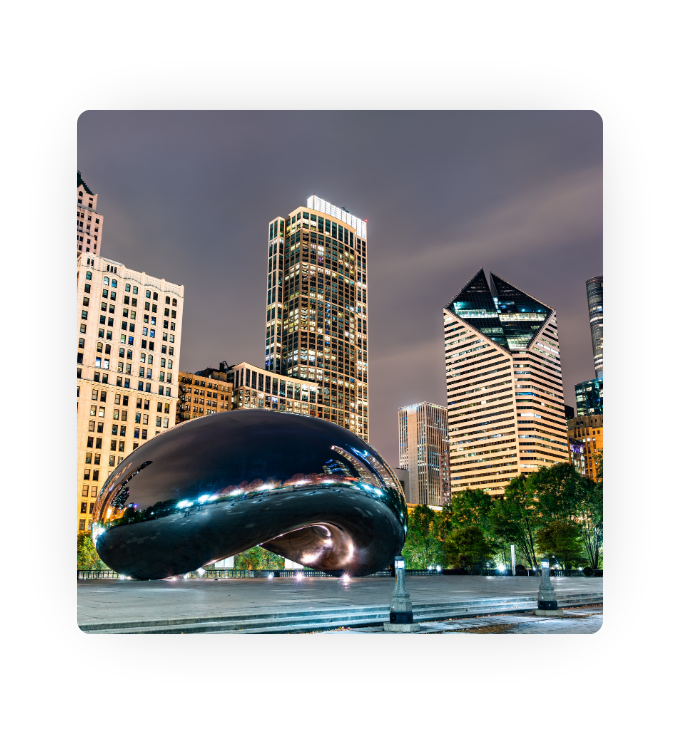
column 504, row 385
column 590, row 397
column 595, row 311
column 129, row 327
column 422, row 438
column 317, row 320
column 590, row 394
column 89, row 223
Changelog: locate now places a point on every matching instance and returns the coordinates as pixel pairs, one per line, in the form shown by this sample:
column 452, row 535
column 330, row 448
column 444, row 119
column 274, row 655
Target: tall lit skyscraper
column 129, row 327
column 595, row 311
column 89, row 223
column 422, row 438
column 504, row 385
column 590, row 394
column 317, row 320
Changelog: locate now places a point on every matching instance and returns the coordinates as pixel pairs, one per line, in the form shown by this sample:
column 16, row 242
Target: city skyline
column 186, row 195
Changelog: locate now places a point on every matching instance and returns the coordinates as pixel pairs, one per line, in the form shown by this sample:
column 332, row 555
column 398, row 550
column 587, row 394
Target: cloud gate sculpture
column 304, row 488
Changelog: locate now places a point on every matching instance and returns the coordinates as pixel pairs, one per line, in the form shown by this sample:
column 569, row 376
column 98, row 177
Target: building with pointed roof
column 504, row 385
column 89, row 223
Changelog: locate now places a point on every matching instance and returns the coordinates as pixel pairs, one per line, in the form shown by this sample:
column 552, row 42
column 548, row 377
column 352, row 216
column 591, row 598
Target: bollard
column 547, row 601
column 401, row 607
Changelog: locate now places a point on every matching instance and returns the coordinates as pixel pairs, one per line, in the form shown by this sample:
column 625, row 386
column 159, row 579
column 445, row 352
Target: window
column 86, row 474
column 81, row 525
column 88, row 275
column 135, row 291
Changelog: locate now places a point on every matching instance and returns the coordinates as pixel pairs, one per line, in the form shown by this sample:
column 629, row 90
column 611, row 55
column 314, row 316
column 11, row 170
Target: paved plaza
column 576, row 621
column 121, row 601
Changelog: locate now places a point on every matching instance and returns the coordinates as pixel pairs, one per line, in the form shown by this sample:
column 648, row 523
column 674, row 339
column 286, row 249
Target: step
column 332, row 617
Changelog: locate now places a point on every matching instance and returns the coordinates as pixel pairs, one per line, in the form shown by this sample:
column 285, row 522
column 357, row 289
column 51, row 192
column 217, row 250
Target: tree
column 557, row 490
column 468, row 548
column 258, row 559
column 588, row 514
column 468, row 508
column 561, row 538
column 515, row 518
column 422, row 546
column 88, row 558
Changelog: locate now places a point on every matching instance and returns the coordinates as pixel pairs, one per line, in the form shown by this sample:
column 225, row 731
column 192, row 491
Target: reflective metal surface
column 302, row 487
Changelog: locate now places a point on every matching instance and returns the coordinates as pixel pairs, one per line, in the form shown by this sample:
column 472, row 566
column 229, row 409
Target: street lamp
column 401, row 607
column 547, row 600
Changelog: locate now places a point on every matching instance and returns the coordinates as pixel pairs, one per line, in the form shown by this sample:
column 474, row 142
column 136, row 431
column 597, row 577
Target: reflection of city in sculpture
column 301, row 487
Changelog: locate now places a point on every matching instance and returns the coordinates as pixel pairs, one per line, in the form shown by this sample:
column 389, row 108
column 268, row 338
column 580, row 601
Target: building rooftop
column 84, row 185
column 509, row 317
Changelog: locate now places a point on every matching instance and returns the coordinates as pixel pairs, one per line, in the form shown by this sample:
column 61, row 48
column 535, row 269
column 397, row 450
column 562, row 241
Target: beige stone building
column 422, row 442
column 504, row 385
column 586, row 440
column 255, row 387
column 317, row 312
column 89, row 223
column 129, row 327
column 203, row 393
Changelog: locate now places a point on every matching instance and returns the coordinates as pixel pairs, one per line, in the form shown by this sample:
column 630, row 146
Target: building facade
column 594, row 290
column 422, row 438
column 590, row 397
column 317, row 309
column 504, row 385
column 129, row 328
column 89, row 223
column 255, row 387
column 586, row 439
column 203, row 393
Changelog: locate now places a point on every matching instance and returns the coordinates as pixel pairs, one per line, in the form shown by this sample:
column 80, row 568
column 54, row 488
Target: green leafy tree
column 557, row 490
column 561, row 538
column 589, row 517
column 468, row 548
column 515, row 518
column 467, row 509
column 88, row 558
column 258, row 559
column 422, row 546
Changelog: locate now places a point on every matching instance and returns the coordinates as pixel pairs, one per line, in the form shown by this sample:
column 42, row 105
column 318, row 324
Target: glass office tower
column 590, row 397
column 594, row 291
column 504, row 385
column 317, row 320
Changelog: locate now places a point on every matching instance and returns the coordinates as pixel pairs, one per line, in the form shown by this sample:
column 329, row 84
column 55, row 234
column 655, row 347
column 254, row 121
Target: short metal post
column 547, row 600
column 401, row 607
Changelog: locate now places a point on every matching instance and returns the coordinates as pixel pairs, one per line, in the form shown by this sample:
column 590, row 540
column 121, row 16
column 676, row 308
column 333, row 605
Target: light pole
column 547, row 600
column 401, row 607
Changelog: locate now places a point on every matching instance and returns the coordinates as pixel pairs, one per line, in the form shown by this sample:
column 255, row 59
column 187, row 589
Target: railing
column 87, row 574
column 287, row 573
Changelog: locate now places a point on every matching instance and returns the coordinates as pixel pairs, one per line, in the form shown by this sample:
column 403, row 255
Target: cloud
column 566, row 211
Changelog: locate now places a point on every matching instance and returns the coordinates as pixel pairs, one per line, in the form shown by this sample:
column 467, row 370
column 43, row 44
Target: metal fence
column 86, row 574
column 287, row 573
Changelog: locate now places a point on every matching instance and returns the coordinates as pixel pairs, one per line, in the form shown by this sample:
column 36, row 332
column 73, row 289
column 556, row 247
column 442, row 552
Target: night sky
column 188, row 196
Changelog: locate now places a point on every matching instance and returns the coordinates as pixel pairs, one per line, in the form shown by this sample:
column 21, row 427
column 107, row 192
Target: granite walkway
column 118, row 601
column 579, row 621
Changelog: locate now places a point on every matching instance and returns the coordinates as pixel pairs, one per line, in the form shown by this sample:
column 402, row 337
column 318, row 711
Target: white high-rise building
column 129, row 329
column 422, row 441
column 504, row 385
column 89, row 223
